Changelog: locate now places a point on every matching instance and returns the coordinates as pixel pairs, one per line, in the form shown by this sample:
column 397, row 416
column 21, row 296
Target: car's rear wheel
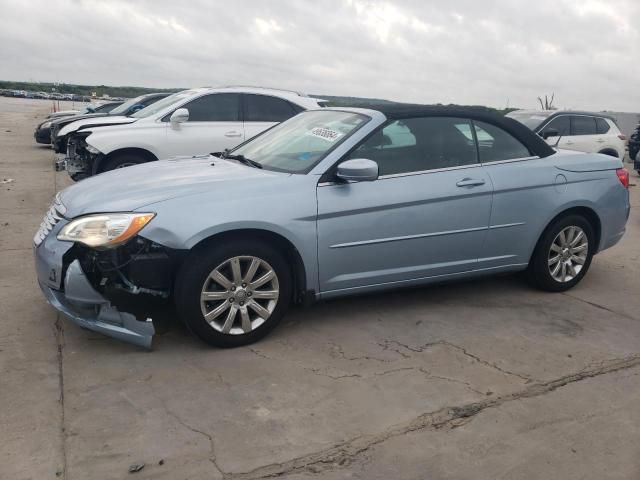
column 233, row 294
column 122, row 161
column 563, row 254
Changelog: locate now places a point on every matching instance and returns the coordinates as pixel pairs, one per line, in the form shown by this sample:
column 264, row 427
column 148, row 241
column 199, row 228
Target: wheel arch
column 278, row 241
column 587, row 212
column 612, row 152
column 144, row 153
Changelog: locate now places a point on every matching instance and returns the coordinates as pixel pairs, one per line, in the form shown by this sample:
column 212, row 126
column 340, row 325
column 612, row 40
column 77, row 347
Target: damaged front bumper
column 79, row 162
column 85, row 307
column 68, row 289
column 60, row 164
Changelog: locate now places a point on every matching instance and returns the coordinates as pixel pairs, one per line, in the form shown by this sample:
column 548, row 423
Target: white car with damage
column 188, row 123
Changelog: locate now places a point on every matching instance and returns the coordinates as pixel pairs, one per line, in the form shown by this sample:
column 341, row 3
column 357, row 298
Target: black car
column 127, row 108
column 634, row 148
column 43, row 130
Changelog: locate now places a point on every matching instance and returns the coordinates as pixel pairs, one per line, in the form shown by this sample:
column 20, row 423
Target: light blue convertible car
column 332, row 202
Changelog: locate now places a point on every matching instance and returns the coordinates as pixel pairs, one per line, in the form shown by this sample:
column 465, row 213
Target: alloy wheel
column 568, row 254
column 239, row 295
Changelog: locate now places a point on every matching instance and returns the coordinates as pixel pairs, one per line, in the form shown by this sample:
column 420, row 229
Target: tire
column 195, row 277
column 541, row 273
column 122, row 161
column 76, row 177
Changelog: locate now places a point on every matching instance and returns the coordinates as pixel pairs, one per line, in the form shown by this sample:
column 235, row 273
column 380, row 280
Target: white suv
column 569, row 130
column 187, row 123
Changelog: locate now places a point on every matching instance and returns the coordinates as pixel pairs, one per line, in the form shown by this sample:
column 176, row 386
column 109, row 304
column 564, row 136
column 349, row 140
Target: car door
column 525, row 188
column 558, row 132
column 264, row 111
column 608, row 137
column 214, row 124
column 425, row 216
column 583, row 134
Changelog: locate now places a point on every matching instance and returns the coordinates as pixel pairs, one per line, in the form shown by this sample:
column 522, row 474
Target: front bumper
column 42, row 135
column 70, row 292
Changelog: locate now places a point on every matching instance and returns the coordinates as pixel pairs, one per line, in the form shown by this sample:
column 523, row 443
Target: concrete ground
column 480, row 380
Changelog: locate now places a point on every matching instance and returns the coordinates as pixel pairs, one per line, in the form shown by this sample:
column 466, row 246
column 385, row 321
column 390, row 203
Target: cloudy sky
column 497, row 53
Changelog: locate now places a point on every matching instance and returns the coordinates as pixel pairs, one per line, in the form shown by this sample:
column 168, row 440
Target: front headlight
column 105, row 230
column 45, row 125
column 92, row 149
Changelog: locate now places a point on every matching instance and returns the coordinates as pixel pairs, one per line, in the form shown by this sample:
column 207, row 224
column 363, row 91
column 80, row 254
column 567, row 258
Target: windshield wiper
column 241, row 159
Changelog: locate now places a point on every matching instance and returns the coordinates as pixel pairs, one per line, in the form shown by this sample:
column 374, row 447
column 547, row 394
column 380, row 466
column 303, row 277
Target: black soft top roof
column 535, row 144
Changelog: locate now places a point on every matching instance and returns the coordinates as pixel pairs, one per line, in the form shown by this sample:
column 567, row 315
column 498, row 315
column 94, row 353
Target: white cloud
column 427, row 51
column 267, row 26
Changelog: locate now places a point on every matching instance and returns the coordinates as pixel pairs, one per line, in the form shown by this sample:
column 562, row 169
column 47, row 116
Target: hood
column 63, row 113
column 132, row 188
column 66, row 120
column 94, row 122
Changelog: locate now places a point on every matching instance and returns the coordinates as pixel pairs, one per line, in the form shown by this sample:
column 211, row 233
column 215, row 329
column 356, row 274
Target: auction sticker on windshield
column 325, row 134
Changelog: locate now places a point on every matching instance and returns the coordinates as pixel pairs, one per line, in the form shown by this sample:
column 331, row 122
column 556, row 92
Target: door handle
column 600, row 140
column 233, row 133
column 470, row 182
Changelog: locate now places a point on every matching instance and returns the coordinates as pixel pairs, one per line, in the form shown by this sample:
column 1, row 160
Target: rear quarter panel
column 529, row 194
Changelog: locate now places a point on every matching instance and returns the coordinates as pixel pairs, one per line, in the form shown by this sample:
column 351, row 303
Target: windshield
column 162, row 104
column 106, row 107
column 122, row 109
column 530, row 119
column 298, row 144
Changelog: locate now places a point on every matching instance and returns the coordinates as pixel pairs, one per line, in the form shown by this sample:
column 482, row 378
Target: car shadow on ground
column 393, row 306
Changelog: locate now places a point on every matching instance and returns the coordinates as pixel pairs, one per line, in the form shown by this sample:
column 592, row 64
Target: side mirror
column 549, row 133
column 358, row 170
column 181, row 115
column 136, row 107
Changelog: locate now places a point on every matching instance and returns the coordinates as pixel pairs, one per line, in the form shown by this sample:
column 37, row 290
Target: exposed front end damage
column 85, row 307
column 113, row 291
column 80, row 161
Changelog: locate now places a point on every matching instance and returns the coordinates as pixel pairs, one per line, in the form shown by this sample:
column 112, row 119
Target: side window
column 560, row 124
column 418, row 144
column 602, row 126
column 494, row 144
column 394, row 135
column 583, row 125
column 218, row 107
column 262, row 108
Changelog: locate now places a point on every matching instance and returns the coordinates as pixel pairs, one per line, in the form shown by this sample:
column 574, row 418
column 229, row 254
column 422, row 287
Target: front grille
column 54, row 215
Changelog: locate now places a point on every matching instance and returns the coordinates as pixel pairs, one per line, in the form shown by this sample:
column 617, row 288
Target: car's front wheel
column 122, row 161
column 233, row 293
column 563, row 254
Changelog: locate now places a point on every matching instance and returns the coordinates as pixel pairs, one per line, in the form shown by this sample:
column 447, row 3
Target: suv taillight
column 623, row 176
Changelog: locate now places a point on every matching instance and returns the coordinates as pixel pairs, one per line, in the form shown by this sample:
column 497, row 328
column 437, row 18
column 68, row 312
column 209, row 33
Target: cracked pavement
column 482, row 379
